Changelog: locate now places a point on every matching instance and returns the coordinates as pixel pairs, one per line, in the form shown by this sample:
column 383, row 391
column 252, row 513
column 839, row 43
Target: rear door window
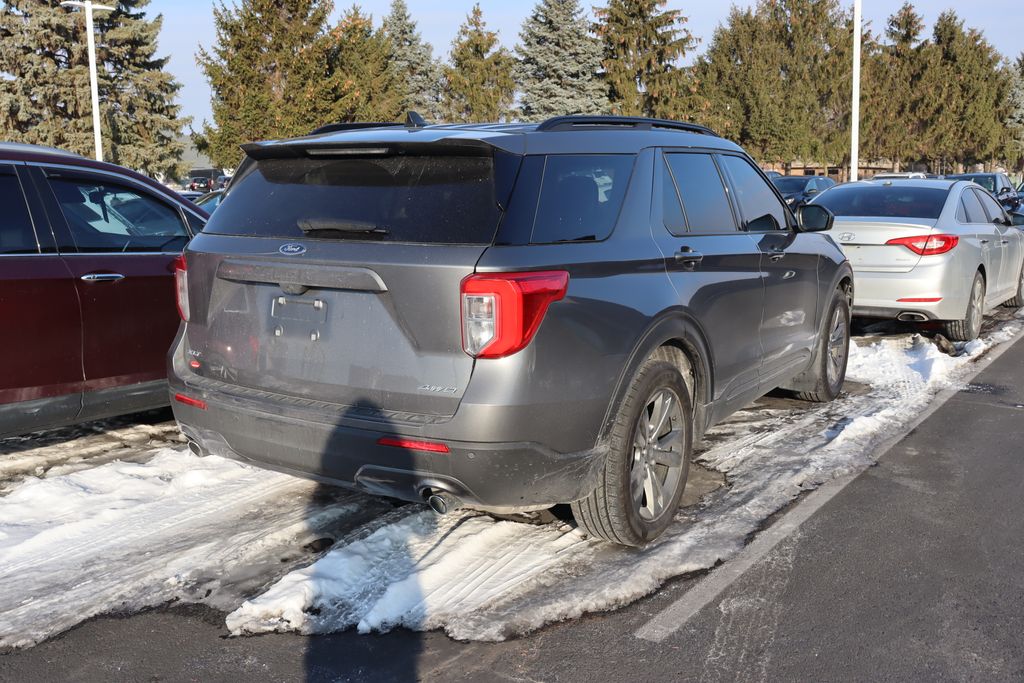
column 705, row 203
column 761, row 208
column 580, row 197
column 16, row 233
column 992, row 208
column 973, row 213
column 107, row 217
column 447, row 199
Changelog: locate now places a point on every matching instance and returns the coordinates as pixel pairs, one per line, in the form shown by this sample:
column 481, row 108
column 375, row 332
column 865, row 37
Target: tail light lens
column 927, row 245
column 181, row 286
column 502, row 311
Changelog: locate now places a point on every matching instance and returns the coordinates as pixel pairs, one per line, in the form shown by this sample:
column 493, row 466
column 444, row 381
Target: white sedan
column 928, row 250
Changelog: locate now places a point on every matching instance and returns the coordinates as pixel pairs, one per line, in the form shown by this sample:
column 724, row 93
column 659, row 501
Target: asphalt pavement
column 913, row 571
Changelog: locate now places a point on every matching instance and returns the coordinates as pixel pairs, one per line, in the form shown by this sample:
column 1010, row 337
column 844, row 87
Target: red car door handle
column 102, row 277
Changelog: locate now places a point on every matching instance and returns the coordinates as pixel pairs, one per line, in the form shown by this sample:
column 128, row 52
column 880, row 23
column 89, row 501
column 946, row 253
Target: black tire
column 823, row 380
column 611, row 511
column 970, row 327
column 1018, row 300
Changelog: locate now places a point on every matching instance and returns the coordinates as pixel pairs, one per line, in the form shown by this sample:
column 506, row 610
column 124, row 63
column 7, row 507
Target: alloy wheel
column 658, row 443
column 838, row 347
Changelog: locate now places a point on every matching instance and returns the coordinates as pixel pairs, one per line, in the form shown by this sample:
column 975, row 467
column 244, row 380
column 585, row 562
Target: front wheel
column 970, row 327
column 638, row 490
column 823, row 381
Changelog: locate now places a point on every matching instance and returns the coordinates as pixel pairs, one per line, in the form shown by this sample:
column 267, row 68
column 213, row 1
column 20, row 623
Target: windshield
column 786, row 184
column 447, row 199
column 897, row 201
column 986, row 181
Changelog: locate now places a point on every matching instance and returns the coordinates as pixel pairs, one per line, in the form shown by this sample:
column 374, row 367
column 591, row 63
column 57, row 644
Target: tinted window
column 705, row 204
column 787, row 185
column 16, row 233
column 992, row 207
column 761, row 209
column 987, row 181
column 972, row 208
column 672, row 210
column 581, row 196
column 900, row 201
column 107, row 217
column 425, row 199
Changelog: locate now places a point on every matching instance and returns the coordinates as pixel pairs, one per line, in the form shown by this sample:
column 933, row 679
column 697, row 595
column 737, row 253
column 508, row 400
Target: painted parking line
column 676, row 615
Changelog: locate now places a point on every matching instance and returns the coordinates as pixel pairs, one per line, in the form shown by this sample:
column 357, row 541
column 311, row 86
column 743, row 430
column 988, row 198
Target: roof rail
column 335, row 127
column 637, row 122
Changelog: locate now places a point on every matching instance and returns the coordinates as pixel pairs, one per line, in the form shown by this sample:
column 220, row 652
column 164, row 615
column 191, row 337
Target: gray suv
column 502, row 316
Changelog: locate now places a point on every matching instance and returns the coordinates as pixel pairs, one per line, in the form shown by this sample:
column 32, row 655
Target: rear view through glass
column 400, row 198
column 898, row 201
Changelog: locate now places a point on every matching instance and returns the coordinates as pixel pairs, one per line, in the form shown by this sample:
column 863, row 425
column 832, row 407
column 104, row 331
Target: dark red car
column 86, row 287
column 200, row 184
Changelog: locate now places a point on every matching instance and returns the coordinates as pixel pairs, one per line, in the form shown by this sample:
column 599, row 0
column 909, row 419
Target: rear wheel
column 970, row 327
column 1018, row 300
column 823, row 381
column 638, row 490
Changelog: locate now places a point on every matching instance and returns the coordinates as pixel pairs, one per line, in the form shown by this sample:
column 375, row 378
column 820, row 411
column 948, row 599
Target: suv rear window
column 899, row 201
column 400, row 198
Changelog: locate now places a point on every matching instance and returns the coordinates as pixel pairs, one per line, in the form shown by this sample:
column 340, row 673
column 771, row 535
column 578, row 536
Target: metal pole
column 93, row 79
column 855, row 106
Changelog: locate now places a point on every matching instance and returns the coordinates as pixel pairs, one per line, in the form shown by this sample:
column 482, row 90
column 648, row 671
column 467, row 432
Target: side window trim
column 10, row 168
column 666, row 176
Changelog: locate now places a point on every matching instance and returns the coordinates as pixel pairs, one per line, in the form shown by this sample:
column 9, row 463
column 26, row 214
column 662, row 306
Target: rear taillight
column 181, row 286
column 927, row 245
column 413, row 444
column 502, row 311
column 189, row 401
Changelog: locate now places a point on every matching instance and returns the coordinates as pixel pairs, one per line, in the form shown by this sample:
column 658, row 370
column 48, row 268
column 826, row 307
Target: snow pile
column 480, row 579
column 124, row 536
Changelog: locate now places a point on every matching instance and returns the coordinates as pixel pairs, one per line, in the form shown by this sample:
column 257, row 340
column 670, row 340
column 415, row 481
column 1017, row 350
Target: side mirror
column 812, row 190
column 1003, row 191
column 814, row 218
column 1017, row 219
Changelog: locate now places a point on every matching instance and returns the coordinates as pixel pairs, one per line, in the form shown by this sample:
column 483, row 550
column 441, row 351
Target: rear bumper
column 876, row 295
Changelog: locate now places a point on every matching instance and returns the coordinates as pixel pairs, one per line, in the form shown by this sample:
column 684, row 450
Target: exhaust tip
column 908, row 317
column 195, row 448
column 442, row 503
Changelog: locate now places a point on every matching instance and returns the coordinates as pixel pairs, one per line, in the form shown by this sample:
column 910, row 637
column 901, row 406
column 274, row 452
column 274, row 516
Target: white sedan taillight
column 502, row 311
column 181, row 286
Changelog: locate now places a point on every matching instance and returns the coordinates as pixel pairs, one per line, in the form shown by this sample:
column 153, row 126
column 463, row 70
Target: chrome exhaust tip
column 908, row 317
column 442, row 503
column 196, row 448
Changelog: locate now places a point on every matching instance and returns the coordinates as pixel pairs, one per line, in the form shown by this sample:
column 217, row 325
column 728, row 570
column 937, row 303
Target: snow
column 106, row 522
column 481, row 579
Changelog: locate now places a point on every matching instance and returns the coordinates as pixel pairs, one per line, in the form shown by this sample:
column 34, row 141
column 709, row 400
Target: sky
column 189, row 24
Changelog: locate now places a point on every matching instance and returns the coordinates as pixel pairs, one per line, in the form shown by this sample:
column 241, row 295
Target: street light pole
column 89, row 6
column 855, row 108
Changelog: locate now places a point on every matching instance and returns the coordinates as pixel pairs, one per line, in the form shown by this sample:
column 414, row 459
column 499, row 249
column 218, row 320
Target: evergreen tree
column 413, row 62
column 365, row 85
column 1015, row 108
column 478, row 83
column 643, row 47
column 44, row 84
column 559, row 63
column 268, row 73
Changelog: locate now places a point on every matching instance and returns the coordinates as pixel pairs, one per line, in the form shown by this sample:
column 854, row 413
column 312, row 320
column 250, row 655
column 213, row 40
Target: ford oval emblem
column 292, row 249
column 844, row 237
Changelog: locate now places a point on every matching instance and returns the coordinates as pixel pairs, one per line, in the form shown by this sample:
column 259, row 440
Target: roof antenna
column 414, row 120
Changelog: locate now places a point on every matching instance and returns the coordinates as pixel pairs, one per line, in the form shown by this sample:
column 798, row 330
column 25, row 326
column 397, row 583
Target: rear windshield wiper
column 311, row 225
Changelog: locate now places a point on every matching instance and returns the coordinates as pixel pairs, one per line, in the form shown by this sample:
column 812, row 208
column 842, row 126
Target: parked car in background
column 221, row 182
column 928, row 250
column 899, row 176
column 386, row 309
column 772, row 174
column 190, row 195
column 86, row 287
column 200, row 184
column 798, row 190
column 998, row 184
column 210, row 201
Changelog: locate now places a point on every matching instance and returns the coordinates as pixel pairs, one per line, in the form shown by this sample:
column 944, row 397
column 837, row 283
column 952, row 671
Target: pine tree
column 413, row 62
column 559, row 63
column 268, row 73
column 478, row 83
column 1015, row 116
column 45, row 98
column 644, row 45
column 366, row 86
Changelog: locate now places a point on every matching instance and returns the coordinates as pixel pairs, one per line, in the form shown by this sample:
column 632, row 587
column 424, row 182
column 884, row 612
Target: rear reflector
column 502, row 311
column 921, row 300
column 189, row 401
column 411, row 445
column 927, row 245
column 181, row 286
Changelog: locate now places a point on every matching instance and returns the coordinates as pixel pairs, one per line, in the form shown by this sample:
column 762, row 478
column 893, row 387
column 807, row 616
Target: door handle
column 1004, row 242
column 776, row 255
column 102, row 277
column 984, row 241
column 689, row 257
